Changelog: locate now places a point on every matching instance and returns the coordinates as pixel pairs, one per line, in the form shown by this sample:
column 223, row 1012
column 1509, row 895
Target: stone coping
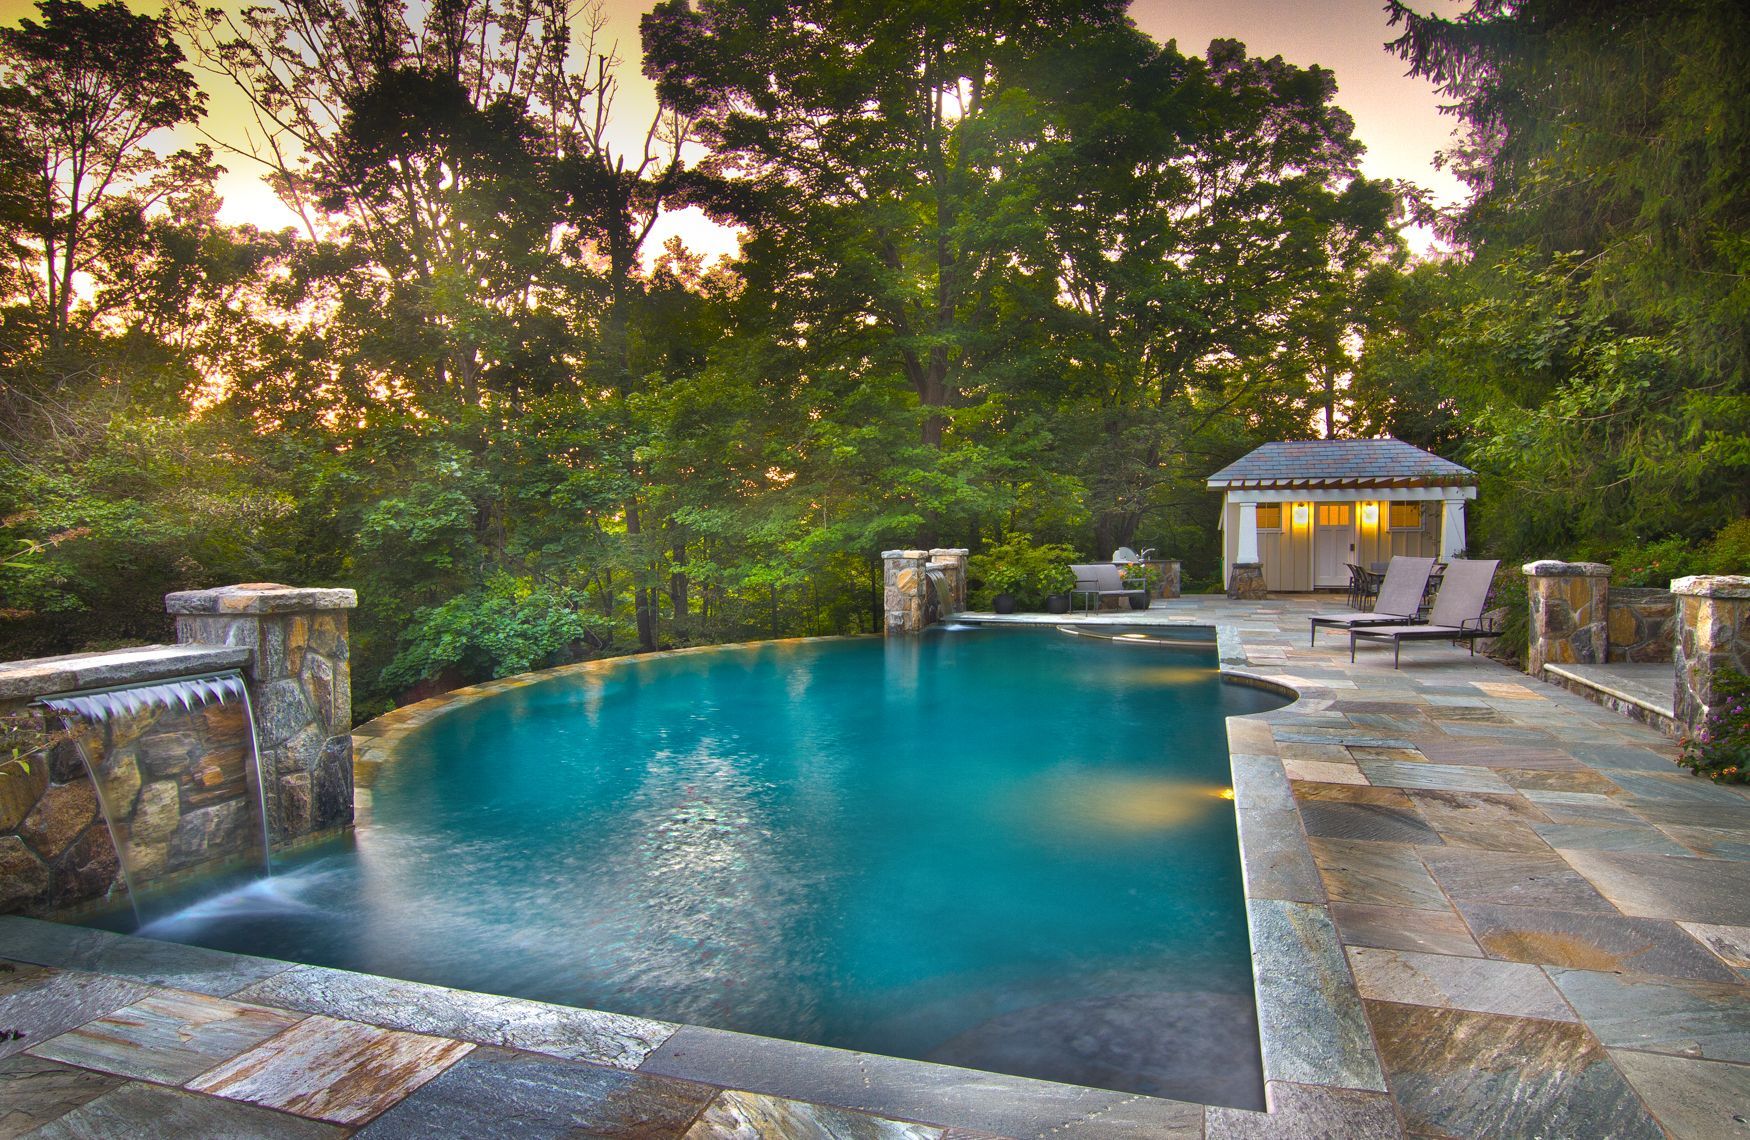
column 258, row 598
column 43, row 676
column 1553, row 568
column 1713, row 586
column 1296, row 1005
column 1601, row 679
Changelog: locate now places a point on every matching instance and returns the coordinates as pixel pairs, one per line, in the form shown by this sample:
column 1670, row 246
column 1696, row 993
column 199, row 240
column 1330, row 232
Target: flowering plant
column 1721, row 750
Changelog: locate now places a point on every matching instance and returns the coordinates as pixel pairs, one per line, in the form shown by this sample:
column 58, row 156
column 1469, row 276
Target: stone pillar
column 951, row 561
column 300, row 683
column 1713, row 634
column 1452, row 536
column 1569, row 606
column 1172, row 579
column 904, row 590
column 1246, row 582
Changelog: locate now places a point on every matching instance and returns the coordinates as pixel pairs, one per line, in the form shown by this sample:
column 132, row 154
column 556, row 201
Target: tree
column 1607, row 157
column 81, row 93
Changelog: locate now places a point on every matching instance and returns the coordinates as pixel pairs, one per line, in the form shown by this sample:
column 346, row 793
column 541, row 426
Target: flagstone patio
column 1480, row 906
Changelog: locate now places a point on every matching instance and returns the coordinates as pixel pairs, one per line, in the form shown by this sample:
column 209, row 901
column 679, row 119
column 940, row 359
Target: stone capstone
column 258, row 598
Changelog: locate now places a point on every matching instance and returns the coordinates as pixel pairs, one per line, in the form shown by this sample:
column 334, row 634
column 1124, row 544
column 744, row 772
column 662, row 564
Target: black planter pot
column 1003, row 603
column 1137, row 603
column 1057, row 604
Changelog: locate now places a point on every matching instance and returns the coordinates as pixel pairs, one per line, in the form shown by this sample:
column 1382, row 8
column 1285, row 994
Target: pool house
column 1303, row 511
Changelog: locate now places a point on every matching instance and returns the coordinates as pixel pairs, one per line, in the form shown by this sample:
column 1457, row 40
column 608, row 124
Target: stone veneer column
column 1172, row 578
column 951, row 561
column 1570, row 614
column 904, row 584
column 1713, row 634
column 300, row 685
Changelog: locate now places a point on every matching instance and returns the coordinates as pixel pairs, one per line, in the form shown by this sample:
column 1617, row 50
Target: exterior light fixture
column 1300, row 511
column 1370, row 513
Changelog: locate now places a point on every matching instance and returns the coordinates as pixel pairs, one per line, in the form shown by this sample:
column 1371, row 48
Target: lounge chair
column 1398, row 602
column 1097, row 581
column 1457, row 613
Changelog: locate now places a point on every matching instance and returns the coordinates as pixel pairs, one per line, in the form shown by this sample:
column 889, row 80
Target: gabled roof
column 1341, row 462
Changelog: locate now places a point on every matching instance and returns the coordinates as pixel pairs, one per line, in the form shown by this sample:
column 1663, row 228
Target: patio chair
column 1097, row 581
column 1457, row 613
column 1400, row 594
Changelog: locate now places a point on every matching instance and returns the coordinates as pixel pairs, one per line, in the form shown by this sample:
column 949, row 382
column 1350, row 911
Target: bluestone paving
column 1479, row 905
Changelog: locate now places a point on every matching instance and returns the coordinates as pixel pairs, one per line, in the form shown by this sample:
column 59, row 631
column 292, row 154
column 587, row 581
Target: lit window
column 1269, row 516
column 1406, row 516
column 1333, row 514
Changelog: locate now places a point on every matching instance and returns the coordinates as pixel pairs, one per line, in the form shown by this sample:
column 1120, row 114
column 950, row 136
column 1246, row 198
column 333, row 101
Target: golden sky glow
column 1396, row 116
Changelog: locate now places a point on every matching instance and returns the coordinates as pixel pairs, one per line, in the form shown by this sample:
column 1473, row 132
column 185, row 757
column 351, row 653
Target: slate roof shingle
column 1354, row 461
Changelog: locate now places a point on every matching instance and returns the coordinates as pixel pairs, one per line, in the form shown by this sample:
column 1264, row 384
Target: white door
column 1333, row 543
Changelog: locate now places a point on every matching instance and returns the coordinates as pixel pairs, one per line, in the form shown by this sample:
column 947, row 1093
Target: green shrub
column 1514, row 622
column 1721, row 750
column 510, row 625
column 1026, row 572
column 1729, row 552
column 1142, row 576
column 1656, row 563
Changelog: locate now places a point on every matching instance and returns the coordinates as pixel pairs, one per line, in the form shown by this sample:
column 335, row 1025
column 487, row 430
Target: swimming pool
column 1004, row 849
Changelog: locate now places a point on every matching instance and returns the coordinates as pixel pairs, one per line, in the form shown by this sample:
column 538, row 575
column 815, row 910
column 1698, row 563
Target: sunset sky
column 1396, row 116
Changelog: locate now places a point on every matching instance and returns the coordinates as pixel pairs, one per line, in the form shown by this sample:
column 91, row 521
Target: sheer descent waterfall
column 98, row 707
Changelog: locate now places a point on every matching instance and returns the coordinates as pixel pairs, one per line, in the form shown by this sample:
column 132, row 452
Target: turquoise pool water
column 1003, row 849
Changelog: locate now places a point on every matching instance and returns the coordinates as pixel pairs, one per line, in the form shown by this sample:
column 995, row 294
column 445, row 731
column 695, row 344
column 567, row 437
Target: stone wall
column 1713, row 634
column 1569, row 614
column 177, row 782
column 301, row 682
column 1643, row 625
column 175, row 779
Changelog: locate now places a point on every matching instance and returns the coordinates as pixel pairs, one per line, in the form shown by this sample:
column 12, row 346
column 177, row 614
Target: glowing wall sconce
column 1370, row 514
column 1300, row 514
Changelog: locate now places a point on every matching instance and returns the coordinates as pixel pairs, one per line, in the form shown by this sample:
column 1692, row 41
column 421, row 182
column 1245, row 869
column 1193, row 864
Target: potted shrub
column 998, row 576
column 1018, row 575
column 1140, row 576
column 1054, row 581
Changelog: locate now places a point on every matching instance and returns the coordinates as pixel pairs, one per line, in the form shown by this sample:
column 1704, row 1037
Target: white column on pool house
column 1452, row 537
column 1248, row 541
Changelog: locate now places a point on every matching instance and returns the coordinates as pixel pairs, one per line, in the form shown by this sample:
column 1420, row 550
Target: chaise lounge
column 1399, row 601
column 1457, row 613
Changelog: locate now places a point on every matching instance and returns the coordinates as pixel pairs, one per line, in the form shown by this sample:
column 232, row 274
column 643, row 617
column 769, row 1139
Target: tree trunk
column 1113, row 529
column 677, row 584
column 641, row 607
